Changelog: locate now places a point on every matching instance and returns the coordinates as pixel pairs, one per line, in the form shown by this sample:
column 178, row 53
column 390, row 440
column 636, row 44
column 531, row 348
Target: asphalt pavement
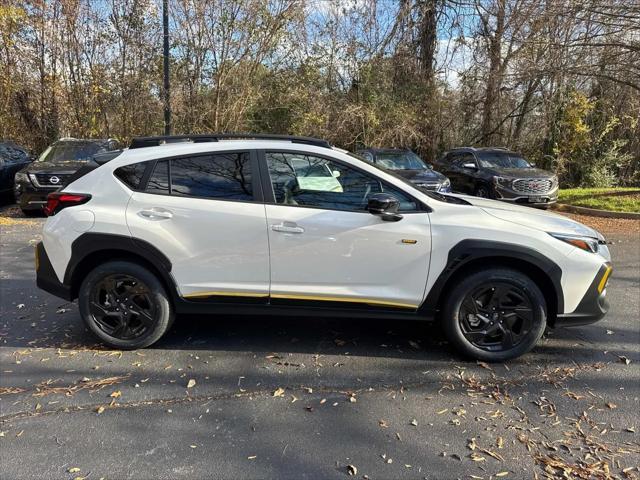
column 269, row 397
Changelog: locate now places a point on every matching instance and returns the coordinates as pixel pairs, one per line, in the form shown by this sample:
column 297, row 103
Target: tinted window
column 159, row 180
column 131, row 175
column 224, row 176
column 502, row 160
column 306, row 180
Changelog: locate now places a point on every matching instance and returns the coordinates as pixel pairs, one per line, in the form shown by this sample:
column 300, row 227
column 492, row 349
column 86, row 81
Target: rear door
column 205, row 213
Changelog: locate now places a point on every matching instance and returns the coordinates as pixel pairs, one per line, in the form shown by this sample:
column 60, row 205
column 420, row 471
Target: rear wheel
column 495, row 315
column 125, row 305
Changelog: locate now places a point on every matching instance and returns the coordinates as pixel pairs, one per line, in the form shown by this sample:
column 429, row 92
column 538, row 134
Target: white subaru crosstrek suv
column 260, row 224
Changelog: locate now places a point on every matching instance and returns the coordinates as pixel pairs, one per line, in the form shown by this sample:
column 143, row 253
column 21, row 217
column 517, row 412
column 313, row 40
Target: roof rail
column 141, row 142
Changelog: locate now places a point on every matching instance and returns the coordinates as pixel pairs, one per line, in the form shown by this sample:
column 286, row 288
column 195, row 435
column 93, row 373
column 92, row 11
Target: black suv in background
column 500, row 174
column 13, row 157
column 50, row 171
column 408, row 165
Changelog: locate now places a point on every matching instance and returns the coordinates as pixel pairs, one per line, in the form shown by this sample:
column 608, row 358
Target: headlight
column 588, row 244
column 502, row 181
column 21, row 177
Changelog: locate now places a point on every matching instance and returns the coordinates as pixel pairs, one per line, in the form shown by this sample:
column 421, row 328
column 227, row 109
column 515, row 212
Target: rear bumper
column 594, row 304
column 46, row 277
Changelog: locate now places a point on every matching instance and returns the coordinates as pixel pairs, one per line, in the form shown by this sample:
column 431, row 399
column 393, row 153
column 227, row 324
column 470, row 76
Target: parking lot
column 307, row 398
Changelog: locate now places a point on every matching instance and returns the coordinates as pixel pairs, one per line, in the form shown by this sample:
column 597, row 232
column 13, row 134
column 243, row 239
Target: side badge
column 409, row 241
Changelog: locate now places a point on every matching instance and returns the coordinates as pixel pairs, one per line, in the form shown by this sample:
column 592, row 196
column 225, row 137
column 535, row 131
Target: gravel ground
column 311, row 398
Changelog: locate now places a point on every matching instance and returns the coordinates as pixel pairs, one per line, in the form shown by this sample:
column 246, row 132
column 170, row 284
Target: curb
column 562, row 207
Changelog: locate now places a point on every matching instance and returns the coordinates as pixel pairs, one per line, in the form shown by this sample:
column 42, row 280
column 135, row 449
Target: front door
column 201, row 212
column 328, row 250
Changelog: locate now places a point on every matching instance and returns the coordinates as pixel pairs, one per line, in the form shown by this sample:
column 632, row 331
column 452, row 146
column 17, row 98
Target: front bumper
column 594, row 304
column 508, row 195
column 30, row 197
column 46, row 277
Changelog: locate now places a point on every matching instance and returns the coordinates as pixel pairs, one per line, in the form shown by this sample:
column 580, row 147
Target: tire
column 125, row 305
column 32, row 213
column 483, row 192
column 494, row 315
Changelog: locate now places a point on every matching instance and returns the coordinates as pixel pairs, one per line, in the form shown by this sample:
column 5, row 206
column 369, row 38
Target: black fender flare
column 468, row 251
column 91, row 243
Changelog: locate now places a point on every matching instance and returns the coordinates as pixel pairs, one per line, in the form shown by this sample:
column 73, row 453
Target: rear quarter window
column 131, row 175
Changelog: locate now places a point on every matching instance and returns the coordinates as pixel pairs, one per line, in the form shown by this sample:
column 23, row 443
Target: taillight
column 56, row 201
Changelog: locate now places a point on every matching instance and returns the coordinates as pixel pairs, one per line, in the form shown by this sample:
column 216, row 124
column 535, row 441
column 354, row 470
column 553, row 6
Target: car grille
column 49, row 180
column 532, row 185
column 434, row 186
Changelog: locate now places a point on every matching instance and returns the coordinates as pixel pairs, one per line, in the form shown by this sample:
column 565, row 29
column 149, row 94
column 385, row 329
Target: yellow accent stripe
column 343, row 299
column 604, row 279
column 225, row 294
column 37, row 259
column 300, row 297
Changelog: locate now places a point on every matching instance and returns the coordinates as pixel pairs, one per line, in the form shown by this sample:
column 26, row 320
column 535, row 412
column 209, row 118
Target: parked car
column 228, row 226
column 500, row 174
column 54, row 166
column 13, row 157
column 408, row 165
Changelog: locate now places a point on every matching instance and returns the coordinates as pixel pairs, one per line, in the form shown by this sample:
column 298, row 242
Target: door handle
column 287, row 227
column 155, row 214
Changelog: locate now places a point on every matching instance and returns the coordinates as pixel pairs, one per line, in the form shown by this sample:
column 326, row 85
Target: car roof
column 185, row 148
column 384, row 150
column 482, row 149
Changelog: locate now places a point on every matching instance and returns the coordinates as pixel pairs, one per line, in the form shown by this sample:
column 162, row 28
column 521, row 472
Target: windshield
column 70, row 151
column 399, row 161
column 502, row 160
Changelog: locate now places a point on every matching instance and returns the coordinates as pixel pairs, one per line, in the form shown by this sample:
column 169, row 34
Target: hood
column 520, row 172
column 62, row 167
column 532, row 217
column 424, row 175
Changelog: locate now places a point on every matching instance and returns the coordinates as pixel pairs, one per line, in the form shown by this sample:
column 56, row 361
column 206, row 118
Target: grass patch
column 613, row 199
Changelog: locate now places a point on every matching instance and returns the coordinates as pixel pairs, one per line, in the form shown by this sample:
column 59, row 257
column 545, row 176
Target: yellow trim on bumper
column 605, row 277
column 37, row 259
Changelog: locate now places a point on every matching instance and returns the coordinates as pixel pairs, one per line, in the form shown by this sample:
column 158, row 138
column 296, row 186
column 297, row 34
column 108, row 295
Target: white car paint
column 224, row 246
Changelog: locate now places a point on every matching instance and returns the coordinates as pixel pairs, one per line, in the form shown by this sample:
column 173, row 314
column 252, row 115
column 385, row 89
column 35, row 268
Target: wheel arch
column 474, row 255
column 92, row 249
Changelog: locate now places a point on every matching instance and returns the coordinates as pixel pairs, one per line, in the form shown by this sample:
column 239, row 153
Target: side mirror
column 470, row 166
column 533, row 165
column 385, row 206
column 335, row 173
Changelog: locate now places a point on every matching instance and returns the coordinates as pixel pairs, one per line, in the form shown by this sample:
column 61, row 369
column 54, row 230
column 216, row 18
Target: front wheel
column 483, row 192
column 125, row 305
column 494, row 315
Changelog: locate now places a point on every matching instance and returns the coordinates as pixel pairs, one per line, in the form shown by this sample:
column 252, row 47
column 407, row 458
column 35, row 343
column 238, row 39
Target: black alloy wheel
column 496, row 316
column 483, row 192
column 125, row 305
column 121, row 307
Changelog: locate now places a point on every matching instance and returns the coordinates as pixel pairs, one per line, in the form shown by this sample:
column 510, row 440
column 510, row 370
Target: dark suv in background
column 500, row 174
column 13, row 157
column 54, row 166
column 408, row 165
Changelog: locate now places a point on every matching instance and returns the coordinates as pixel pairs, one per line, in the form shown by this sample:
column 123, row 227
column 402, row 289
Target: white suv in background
column 281, row 225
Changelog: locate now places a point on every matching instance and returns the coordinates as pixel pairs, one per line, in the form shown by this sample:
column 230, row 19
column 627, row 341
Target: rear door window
column 224, row 176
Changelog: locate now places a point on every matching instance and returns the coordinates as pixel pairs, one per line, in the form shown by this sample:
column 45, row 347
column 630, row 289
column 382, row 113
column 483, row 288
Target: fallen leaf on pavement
column 99, row 410
column 352, row 470
column 414, row 422
column 73, row 470
column 116, row 394
column 191, row 383
column 278, row 392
